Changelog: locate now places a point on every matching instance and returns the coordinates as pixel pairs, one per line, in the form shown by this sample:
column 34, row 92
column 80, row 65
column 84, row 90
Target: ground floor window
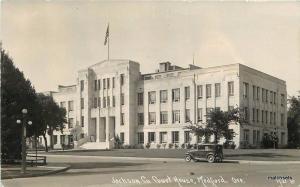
column 246, row 135
column 254, row 137
column 70, row 138
column 187, row 137
column 82, row 135
column 151, row 137
column 54, row 139
column 175, row 136
column 62, row 139
column 282, row 138
column 140, row 138
column 122, row 137
column 163, row 137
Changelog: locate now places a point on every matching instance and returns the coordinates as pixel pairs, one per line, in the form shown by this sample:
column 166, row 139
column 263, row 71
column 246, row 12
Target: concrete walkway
column 13, row 171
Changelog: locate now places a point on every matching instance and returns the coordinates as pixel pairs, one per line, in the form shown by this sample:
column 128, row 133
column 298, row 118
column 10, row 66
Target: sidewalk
column 14, row 171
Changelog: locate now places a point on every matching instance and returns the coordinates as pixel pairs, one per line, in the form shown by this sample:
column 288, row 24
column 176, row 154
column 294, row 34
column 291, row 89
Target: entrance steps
column 95, row 145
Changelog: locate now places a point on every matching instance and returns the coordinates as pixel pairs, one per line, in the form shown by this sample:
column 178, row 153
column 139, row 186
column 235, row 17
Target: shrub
column 148, row 145
column 164, row 145
column 176, row 146
column 171, row 145
column 158, row 146
column 183, row 146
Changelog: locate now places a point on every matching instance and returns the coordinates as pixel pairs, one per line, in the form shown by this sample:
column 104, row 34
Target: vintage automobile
column 210, row 152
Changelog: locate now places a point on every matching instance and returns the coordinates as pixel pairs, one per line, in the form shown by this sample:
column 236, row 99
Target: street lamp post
column 23, row 136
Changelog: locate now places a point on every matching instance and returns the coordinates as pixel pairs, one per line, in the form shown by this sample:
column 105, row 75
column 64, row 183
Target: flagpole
column 108, row 47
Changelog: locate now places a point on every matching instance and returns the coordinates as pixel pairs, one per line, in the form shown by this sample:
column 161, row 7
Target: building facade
column 113, row 99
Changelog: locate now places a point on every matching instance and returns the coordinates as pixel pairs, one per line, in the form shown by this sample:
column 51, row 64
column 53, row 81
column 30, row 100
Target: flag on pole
column 106, row 35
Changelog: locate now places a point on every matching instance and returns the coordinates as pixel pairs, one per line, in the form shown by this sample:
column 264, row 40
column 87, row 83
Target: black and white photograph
column 182, row 93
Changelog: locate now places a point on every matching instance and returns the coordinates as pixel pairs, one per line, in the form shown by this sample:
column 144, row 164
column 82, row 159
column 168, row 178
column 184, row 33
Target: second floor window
column 199, row 114
column 104, row 84
column 113, row 82
column 208, row 91
column 95, row 102
column 140, row 118
column 152, row 118
column 70, row 123
column 95, row 85
column 152, row 97
column 82, row 85
column 199, row 91
column 187, row 115
column 282, row 100
column 122, row 99
column 108, row 83
column 230, row 88
column 140, row 98
column 82, row 103
column 104, row 102
column 176, row 116
column 217, row 90
column 108, row 101
column 245, row 89
column 82, row 121
column 187, row 92
column 122, row 79
column 99, row 84
column 176, row 95
column 163, row 96
column 71, row 105
column 163, row 117
column 122, row 119
column 113, row 101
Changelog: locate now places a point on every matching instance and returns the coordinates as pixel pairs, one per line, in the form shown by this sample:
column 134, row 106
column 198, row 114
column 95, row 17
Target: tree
column 16, row 93
column 217, row 124
column 52, row 118
column 293, row 122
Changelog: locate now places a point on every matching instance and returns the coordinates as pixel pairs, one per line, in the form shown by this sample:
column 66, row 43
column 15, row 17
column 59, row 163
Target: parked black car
column 210, row 152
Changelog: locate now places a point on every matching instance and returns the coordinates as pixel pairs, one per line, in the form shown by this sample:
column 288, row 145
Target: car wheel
column 188, row 158
column 210, row 158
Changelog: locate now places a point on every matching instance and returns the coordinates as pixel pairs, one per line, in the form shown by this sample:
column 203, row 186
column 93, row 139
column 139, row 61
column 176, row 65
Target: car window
column 200, row 147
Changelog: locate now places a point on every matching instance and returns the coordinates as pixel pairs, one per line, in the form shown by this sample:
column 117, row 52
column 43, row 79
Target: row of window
column 265, row 116
column 70, row 105
column 106, row 101
column 163, row 137
column 176, row 93
column 105, row 83
column 256, row 137
column 71, row 122
column 267, row 96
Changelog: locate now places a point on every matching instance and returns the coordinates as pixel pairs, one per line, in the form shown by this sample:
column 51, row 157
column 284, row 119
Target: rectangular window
column 187, row 92
column 163, row 117
column 254, row 92
column 258, row 136
column 217, row 90
column 230, row 108
column 245, row 90
column 82, row 85
column 187, row 115
column 275, row 120
column 271, row 117
column 141, row 118
column 199, row 91
column 104, row 83
column 122, row 79
column 257, row 93
column 271, row 97
column 163, row 96
column 267, row 95
column 63, row 105
column 163, row 137
column 254, row 137
column 208, row 111
column 151, row 137
column 175, row 136
column 122, row 99
column 152, row 97
column 113, row 101
column 246, row 113
column 54, row 139
column 140, row 138
column 231, row 88
column 253, row 114
column 82, row 103
column 71, row 105
column 95, row 103
column 262, row 95
column 108, row 83
column 95, row 85
column 266, row 116
column 176, row 95
column 81, row 135
column 82, row 121
column 246, row 135
column 122, row 137
column 140, row 98
column 208, row 91
column 62, row 139
column 99, row 84
column 282, row 138
column 113, row 82
column 257, row 115
column 104, row 102
column 176, row 116
column 122, row 118
column 275, row 97
column 262, row 116
column 70, row 123
column 152, row 118
column 108, row 101
column 282, row 119
column 187, row 137
column 99, row 102
column 199, row 114
column 282, row 100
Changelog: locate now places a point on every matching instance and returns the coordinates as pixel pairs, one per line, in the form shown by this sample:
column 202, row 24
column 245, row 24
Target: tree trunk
column 46, row 143
column 216, row 138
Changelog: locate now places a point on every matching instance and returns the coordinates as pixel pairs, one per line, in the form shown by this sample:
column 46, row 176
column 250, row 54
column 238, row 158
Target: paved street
column 93, row 171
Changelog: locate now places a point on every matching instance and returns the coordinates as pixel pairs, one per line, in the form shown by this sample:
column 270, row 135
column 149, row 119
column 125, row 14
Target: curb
column 63, row 168
column 172, row 159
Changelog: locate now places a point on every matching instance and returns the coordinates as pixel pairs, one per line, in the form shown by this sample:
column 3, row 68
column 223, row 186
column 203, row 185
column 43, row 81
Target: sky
column 51, row 40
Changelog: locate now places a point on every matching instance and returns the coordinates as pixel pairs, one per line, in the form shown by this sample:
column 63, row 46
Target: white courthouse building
column 112, row 98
